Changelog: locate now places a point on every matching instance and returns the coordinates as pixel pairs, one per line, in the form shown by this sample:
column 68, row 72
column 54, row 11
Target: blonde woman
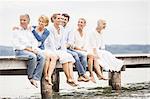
column 41, row 34
column 59, row 48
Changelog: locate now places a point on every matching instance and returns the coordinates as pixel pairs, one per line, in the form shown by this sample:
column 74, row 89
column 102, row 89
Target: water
column 135, row 85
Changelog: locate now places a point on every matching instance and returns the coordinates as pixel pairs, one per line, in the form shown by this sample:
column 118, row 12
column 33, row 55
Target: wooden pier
column 11, row 65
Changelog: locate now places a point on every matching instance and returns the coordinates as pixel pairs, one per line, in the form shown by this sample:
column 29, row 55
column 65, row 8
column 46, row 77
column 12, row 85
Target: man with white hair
column 101, row 57
column 25, row 44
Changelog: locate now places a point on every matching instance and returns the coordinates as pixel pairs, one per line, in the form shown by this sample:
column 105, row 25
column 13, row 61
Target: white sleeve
column 18, row 40
column 71, row 37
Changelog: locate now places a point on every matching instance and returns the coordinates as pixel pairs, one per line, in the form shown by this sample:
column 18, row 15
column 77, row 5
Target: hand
column 15, row 28
column 35, row 51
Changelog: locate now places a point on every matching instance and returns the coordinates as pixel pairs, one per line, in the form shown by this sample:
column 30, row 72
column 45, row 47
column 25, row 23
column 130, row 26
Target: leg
column 70, row 67
column 46, row 67
column 83, row 59
column 67, row 60
column 98, row 70
column 66, row 70
column 31, row 64
column 39, row 68
column 78, row 64
column 53, row 59
column 90, row 67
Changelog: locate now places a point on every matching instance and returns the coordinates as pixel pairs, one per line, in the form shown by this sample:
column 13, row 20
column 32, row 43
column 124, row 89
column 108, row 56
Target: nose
column 21, row 21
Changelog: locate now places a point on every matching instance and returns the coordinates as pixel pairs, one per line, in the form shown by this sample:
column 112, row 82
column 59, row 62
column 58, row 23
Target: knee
column 84, row 57
column 32, row 56
column 41, row 57
column 75, row 55
column 53, row 58
column 90, row 57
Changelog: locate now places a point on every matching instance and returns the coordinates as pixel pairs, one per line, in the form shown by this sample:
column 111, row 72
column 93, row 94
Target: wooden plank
column 13, row 72
column 135, row 61
column 7, row 57
column 20, row 62
column 12, row 64
column 132, row 55
column 23, row 57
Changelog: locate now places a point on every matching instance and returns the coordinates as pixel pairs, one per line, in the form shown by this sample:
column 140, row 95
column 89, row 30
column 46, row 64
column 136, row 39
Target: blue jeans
column 80, row 61
column 34, row 65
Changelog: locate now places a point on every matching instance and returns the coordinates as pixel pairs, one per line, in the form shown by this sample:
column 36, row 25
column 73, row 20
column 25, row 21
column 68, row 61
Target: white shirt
column 24, row 39
column 96, row 41
column 81, row 41
column 69, row 36
column 58, row 38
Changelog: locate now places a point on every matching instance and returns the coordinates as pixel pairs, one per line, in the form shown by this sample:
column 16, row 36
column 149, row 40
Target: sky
column 128, row 21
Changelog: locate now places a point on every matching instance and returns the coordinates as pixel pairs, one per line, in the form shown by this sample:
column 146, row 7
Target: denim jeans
column 80, row 61
column 34, row 65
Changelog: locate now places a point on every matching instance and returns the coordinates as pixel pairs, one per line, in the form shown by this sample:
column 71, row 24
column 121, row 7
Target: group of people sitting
column 59, row 42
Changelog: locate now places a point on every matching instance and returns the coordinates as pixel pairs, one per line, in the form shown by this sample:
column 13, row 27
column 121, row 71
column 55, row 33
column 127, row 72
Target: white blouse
column 81, row 41
column 96, row 41
column 58, row 38
column 69, row 35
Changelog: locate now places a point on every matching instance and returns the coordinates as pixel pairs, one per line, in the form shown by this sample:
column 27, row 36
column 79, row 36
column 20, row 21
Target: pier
column 12, row 65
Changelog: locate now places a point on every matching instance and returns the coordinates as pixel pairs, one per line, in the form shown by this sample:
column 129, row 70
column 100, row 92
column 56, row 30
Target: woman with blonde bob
column 41, row 34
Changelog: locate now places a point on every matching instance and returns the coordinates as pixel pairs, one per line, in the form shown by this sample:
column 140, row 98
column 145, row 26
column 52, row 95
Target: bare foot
column 34, row 83
column 82, row 78
column 86, row 77
column 72, row 83
column 102, row 78
column 92, row 79
column 48, row 79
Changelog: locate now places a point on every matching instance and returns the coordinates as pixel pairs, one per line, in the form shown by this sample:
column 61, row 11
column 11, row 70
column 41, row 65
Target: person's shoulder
column 46, row 31
column 50, row 28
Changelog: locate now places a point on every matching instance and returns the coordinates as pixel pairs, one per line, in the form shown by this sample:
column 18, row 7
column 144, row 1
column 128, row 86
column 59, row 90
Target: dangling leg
column 90, row 67
column 46, row 67
column 52, row 64
column 98, row 70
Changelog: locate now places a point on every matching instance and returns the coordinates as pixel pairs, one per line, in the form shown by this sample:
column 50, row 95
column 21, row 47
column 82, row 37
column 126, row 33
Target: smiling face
column 81, row 23
column 43, row 21
column 58, row 19
column 24, row 21
column 65, row 20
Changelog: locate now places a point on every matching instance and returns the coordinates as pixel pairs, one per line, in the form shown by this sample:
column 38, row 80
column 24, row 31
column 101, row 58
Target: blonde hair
column 45, row 18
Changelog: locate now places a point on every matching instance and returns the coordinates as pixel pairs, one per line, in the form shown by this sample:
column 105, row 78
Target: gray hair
column 26, row 15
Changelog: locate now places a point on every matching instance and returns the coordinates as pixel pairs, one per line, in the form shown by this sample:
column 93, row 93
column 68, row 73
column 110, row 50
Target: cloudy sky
column 128, row 21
